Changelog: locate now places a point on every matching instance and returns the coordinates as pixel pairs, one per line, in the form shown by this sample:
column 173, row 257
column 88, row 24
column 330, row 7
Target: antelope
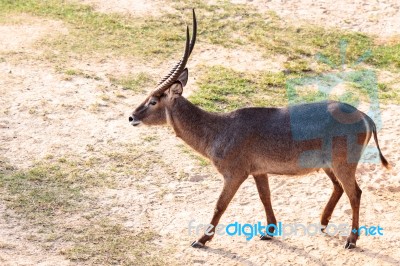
column 294, row 140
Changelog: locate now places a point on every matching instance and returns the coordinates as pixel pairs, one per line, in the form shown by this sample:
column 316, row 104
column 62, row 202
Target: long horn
column 174, row 76
column 192, row 43
column 193, row 40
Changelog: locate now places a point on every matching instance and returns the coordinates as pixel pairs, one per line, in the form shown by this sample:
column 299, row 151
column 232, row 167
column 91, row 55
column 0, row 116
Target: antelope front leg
column 231, row 185
column 265, row 196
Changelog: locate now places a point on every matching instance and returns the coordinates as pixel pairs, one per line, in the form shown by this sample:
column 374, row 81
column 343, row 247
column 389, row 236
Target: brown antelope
column 296, row 140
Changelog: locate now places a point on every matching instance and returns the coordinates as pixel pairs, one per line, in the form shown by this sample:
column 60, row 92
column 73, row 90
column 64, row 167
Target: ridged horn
column 174, row 73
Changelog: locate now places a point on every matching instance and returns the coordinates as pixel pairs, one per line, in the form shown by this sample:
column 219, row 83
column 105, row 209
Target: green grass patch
column 51, row 187
column 41, row 192
column 108, row 243
column 140, row 162
column 386, row 55
column 232, row 25
column 222, row 89
column 93, row 32
column 72, row 72
column 137, row 83
column 388, row 93
column 221, row 23
column 309, row 48
column 52, row 192
column 77, row 72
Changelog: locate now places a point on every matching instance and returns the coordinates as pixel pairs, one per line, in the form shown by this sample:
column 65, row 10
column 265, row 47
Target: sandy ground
column 43, row 113
column 380, row 17
column 137, row 7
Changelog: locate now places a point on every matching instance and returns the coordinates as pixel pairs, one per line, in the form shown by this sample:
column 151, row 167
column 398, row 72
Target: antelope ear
column 176, row 89
column 183, row 77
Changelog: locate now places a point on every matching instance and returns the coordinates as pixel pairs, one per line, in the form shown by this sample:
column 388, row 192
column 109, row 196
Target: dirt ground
column 44, row 113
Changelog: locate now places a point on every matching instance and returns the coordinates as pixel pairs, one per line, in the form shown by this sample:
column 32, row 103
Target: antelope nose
column 133, row 120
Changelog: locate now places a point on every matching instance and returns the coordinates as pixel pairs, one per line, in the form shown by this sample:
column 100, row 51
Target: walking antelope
column 296, row 140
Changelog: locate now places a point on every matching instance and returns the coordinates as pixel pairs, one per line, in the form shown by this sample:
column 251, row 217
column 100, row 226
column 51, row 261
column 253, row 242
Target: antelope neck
column 193, row 125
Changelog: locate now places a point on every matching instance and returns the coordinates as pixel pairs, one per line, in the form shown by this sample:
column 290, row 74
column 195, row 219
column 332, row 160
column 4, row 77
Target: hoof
column 349, row 245
column 197, row 244
column 265, row 237
column 323, row 228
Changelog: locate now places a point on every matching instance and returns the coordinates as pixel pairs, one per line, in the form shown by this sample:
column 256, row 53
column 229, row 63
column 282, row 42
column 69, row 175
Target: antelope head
column 153, row 110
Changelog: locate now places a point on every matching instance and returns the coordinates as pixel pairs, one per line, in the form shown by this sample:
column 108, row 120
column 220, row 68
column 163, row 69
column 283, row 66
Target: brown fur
column 262, row 141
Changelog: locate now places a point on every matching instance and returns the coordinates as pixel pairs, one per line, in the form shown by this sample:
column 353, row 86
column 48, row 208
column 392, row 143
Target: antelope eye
column 153, row 102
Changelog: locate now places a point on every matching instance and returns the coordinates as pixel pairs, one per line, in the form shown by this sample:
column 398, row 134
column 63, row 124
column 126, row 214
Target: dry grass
column 55, row 189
